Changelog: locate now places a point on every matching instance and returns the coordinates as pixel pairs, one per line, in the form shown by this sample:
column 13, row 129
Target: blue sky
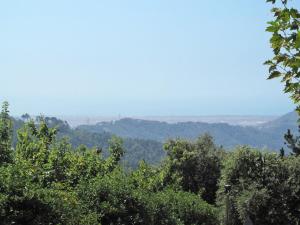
column 137, row 57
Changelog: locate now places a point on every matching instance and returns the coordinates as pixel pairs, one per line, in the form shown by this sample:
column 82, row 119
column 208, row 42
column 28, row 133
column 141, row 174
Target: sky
column 137, row 57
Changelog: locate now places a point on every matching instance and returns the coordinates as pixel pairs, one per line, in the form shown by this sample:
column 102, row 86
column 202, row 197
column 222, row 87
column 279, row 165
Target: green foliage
column 179, row 207
column 149, row 178
column 265, row 187
column 268, row 135
column 111, row 198
column 136, row 149
column 34, row 142
column 118, row 199
column 285, row 42
column 116, row 152
column 5, row 135
column 197, row 165
column 23, row 201
column 292, row 142
column 47, row 181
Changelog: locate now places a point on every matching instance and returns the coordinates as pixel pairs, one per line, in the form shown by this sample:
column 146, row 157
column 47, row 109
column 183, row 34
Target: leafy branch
column 285, row 42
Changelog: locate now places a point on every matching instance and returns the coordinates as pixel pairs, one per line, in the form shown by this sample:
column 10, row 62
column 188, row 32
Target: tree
column 264, row 187
column 25, row 117
column 285, row 42
column 116, row 152
column 117, row 199
column 5, row 134
column 34, row 142
column 292, row 142
column 195, row 165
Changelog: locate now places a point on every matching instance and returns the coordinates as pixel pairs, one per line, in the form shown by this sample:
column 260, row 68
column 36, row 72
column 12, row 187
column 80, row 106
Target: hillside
column 268, row 135
column 143, row 139
column 136, row 149
column 280, row 125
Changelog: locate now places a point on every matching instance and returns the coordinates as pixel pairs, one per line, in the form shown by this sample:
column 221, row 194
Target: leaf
column 274, row 74
column 294, row 13
column 272, row 68
column 297, row 42
column 272, row 28
column 276, row 41
column 268, row 62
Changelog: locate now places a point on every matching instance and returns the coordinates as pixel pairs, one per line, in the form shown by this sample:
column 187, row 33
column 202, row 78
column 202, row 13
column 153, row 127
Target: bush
column 265, row 187
column 117, row 199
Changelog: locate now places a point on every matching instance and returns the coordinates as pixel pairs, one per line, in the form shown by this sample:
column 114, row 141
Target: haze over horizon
column 142, row 58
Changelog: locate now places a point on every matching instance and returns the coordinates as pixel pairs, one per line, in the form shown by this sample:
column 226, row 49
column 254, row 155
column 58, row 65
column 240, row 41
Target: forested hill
column 143, row 139
column 135, row 149
column 269, row 135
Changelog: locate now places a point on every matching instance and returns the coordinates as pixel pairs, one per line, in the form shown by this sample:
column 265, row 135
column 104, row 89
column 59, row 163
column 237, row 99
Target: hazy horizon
column 145, row 58
column 239, row 120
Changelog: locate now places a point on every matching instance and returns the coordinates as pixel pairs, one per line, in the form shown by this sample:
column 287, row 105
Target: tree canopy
column 285, row 42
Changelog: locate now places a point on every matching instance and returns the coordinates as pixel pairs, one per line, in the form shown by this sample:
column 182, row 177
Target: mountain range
column 268, row 135
column 143, row 139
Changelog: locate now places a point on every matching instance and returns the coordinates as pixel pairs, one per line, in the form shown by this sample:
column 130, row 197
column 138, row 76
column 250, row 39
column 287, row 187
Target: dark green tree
column 265, row 187
column 195, row 165
column 5, row 135
column 292, row 142
column 25, row 117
